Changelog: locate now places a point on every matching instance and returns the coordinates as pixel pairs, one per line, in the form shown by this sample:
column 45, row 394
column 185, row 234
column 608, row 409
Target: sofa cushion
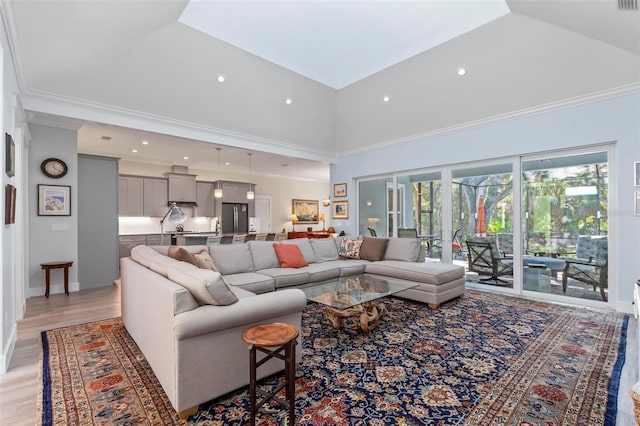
column 373, row 249
column 325, row 249
column 204, row 261
column 289, row 256
column 207, row 287
column 405, row 249
column 429, row 273
column 251, row 281
column 232, row 258
column 144, row 255
column 322, row 271
column 285, row 277
column 263, row 255
column 163, row 266
column 352, row 267
column 305, row 248
column 350, row 248
column 181, row 254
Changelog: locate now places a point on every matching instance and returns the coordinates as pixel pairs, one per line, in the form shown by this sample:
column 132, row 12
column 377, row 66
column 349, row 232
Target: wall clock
column 54, row 168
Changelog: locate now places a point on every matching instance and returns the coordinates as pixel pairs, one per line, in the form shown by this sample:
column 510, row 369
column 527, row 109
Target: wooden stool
column 56, row 265
column 282, row 337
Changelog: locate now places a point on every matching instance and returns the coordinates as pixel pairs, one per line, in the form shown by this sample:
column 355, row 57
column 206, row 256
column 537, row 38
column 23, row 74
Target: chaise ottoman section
column 438, row 282
column 286, row 277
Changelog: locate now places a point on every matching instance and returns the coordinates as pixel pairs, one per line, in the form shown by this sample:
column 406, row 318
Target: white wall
column 45, row 244
column 609, row 120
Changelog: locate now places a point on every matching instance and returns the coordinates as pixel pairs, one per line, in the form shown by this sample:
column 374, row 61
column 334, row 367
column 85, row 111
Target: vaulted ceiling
column 122, row 65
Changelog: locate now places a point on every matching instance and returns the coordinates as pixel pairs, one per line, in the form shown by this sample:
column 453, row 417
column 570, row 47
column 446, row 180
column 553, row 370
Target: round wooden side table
column 264, row 337
column 48, row 266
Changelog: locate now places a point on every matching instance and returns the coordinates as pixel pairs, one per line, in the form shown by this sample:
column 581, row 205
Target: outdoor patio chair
column 407, row 233
column 482, row 259
column 504, row 241
column 590, row 265
column 372, row 232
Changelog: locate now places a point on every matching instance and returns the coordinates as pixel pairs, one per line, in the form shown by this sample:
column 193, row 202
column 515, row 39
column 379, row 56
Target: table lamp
column 294, row 219
column 323, row 217
column 175, row 215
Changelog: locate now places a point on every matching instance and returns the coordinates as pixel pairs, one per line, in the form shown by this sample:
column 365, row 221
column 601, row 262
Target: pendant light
column 250, row 194
column 217, row 193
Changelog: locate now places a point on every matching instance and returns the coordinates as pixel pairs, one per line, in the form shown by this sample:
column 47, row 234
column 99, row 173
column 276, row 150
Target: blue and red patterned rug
column 479, row 360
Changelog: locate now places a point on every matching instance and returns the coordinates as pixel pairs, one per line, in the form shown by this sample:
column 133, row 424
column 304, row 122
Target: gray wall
column 45, row 244
column 97, row 221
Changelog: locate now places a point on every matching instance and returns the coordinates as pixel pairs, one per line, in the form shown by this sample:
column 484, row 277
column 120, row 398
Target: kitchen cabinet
column 127, row 242
column 182, row 187
column 130, row 193
column 205, row 199
column 156, row 240
column 156, row 201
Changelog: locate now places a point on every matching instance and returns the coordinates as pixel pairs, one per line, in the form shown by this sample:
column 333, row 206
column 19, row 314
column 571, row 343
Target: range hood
column 182, row 187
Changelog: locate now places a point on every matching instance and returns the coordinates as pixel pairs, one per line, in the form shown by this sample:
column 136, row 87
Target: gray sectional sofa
column 181, row 318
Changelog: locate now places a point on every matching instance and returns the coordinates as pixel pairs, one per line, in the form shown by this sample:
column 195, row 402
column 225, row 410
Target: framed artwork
column 305, row 210
column 341, row 210
column 637, row 203
column 339, row 189
column 636, row 173
column 10, row 205
column 10, row 156
column 54, row 200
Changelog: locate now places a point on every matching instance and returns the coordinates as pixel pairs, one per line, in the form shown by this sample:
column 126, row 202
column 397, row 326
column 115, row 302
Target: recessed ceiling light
column 185, row 158
column 134, row 150
column 386, row 99
column 288, row 101
column 221, row 79
column 461, row 71
column 145, row 143
column 106, row 138
column 284, row 165
column 227, row 163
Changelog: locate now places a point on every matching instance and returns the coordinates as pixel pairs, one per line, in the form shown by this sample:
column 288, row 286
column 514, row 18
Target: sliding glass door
column 565, row 225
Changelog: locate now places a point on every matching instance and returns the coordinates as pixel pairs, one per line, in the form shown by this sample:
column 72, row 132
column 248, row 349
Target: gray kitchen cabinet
column 130, row 193
column 155, row 239
column 205, row 199
column 127, row 242
column 182, row 187
column 156, row 197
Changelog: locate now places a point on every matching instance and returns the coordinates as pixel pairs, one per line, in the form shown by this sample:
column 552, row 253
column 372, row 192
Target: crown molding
column 6, row 13
column 527, row 112
column 71, row 108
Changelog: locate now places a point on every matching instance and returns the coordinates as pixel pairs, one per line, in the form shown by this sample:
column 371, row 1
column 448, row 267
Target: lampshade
column 176, row 215
column 251, row 195
column 294, row 218
column 217, row 193
column 326, row 202
column 323, row 216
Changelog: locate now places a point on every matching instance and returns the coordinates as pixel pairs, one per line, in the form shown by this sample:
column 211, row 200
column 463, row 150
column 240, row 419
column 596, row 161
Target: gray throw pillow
column 206, row 286
column 232, row 258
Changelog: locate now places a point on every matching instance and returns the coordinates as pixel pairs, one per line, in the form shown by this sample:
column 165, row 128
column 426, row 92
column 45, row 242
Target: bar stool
column 262, row 338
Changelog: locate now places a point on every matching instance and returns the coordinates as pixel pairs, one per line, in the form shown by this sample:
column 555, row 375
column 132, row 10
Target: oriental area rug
column 483, row 359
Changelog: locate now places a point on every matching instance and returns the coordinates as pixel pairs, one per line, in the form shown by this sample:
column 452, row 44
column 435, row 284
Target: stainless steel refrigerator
column 235, row 218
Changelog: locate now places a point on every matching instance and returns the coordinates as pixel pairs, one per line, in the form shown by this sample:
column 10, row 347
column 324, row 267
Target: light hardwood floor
column 19, row 386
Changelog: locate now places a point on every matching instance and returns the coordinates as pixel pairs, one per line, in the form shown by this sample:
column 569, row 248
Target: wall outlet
column 58, row 227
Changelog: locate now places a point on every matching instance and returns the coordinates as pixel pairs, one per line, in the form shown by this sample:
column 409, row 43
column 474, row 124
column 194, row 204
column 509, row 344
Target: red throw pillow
column 289, row 256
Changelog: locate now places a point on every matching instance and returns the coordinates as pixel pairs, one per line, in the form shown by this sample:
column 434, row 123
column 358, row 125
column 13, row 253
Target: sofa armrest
column 247, row 310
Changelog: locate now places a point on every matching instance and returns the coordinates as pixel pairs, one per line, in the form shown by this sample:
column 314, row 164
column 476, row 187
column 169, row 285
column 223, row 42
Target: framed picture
column 10, row 205
column 10, row 156
column 305, row 210
column 54, row 200
column 341, row 210
column 636, row 173
column 339, row 189
column 636, row 209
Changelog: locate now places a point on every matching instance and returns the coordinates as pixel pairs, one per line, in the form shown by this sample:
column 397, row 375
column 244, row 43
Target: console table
column 308, row 234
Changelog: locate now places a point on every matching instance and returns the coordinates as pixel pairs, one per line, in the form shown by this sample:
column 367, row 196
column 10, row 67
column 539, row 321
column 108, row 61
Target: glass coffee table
column 354, row 302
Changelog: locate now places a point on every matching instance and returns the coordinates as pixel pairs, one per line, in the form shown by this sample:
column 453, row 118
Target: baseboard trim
column 53, row 289
column 5, row 359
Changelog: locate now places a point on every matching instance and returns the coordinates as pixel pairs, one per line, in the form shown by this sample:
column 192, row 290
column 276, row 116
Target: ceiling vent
column 628, row 4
